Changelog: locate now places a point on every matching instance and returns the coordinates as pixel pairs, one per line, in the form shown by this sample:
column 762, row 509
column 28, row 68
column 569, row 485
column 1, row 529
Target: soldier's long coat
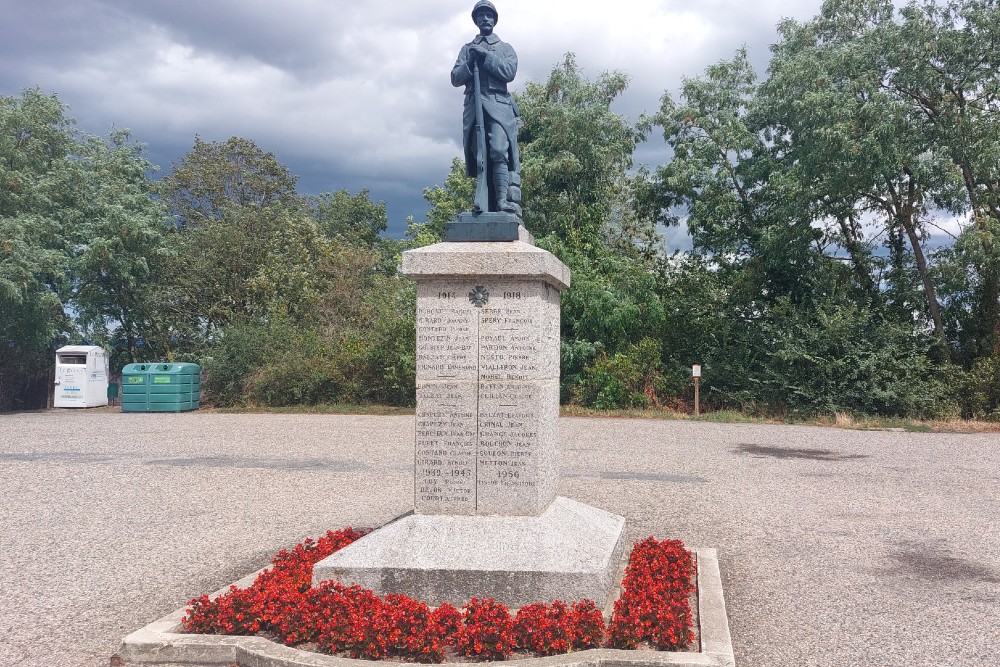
column 496, row 71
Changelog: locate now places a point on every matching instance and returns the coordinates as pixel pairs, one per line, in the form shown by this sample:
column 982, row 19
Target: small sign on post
column 696, row 374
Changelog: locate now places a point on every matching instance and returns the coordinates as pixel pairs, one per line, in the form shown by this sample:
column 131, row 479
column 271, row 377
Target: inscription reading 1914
column 478, row 399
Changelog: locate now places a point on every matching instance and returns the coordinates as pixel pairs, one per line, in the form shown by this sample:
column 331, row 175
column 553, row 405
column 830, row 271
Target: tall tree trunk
column 920, row 260
column 856, row 251
column 905, row 216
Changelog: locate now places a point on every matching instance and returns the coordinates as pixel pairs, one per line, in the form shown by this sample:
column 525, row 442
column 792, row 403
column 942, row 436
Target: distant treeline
column 810, row 197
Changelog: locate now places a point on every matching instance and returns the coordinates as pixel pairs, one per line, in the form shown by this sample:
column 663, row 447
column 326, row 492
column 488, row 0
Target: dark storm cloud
column 346, row 93
column 305, row 39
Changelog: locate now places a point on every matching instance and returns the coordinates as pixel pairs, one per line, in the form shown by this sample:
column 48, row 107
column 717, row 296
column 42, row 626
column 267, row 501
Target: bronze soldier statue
column 490, row 115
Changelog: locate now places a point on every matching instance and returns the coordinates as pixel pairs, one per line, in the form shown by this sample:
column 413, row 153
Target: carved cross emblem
column 479, row 296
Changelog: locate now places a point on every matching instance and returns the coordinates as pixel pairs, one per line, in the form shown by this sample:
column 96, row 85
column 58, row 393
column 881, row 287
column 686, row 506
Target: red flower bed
column 654, row 605
column 559, row 628
column 350, row 620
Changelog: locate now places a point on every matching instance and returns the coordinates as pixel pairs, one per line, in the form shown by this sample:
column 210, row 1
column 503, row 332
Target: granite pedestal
column 486, row 519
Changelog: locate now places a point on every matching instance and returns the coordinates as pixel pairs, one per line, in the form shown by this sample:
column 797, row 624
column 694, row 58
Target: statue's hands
column 476, row 54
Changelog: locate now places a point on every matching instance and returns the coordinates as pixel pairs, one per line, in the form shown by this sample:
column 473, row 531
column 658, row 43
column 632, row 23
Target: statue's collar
column 490, row 39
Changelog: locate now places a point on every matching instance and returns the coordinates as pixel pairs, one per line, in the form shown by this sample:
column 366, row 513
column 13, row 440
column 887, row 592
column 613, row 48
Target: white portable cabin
column 81, row 377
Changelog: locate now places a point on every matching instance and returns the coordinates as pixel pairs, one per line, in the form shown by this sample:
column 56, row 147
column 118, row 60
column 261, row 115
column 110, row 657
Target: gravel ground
column 837, row 547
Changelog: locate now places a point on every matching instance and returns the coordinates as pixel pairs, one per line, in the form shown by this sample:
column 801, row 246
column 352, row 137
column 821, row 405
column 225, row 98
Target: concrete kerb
column 160, row 643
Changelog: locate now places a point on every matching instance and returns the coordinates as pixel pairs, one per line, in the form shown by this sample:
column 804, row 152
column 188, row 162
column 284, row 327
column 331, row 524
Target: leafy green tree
column 236, row 210
column 291, row 299
column 858, row 144
column 611, row 307
column 123, row 253
column 582, row 201
column 447, row 201
column 357, row 221
column 82, row 241
column 943, row 60
column 576, row 154
column 768, row 177
column 725, row 183
column 38, row 180
column 352, row 219
column 356, row 346
column 216, row 177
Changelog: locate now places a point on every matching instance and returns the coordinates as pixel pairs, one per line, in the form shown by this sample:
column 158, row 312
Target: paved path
column 837, row 547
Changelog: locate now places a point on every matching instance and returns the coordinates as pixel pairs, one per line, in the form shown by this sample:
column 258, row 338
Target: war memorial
column 486, row 520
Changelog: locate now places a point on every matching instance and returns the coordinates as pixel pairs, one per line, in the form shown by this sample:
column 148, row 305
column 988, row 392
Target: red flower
column 653, row 609
column 488, row 630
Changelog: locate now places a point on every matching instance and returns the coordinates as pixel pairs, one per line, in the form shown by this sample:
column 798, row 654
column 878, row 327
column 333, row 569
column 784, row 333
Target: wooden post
column 696, row 374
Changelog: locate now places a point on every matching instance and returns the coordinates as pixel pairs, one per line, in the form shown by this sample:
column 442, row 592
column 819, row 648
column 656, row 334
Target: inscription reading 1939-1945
column 479, row 401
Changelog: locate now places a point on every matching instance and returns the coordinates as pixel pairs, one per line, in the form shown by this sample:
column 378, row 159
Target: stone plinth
column 486, row 519
column 487, row 377
column 570, row 552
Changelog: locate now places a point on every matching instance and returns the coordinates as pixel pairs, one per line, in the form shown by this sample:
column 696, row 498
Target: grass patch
column 633, row 413
column 840, row 420
column 870, row 423
column 324, row 409
column 728, row 417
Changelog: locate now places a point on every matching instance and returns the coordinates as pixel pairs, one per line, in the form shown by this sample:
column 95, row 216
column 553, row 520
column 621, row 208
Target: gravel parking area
column 836, row 547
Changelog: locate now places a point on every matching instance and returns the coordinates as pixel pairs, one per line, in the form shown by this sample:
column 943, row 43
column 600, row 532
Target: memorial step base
column 570, row 552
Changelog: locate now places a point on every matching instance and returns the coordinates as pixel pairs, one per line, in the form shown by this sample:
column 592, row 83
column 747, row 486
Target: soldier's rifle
column 482, row 200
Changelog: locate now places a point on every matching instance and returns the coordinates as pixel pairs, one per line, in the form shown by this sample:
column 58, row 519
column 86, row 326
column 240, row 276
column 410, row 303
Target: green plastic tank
column 161, row 387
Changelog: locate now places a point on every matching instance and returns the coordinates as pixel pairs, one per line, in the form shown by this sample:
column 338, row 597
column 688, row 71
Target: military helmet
column 486, row 4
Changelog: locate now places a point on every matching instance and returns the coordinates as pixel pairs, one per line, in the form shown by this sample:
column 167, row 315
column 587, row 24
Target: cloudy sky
column 347, row 93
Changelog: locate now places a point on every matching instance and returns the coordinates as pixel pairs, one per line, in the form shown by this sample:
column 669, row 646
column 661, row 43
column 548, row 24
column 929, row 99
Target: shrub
column 488, row 631
column 544, row 629
column 355, row 620
column 558, row 628
column 263, row 604
column 834, row 358
column 654, row 604
column 588, row 625
column 979, row 390
column 628, row 379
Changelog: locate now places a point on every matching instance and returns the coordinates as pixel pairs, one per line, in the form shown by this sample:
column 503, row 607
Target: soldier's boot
column 501, row 183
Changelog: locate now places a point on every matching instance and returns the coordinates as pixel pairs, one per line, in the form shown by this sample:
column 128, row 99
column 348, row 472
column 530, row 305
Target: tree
column 357, row 221
column 760, row 173
column 945, row 64
column 81, row 240
column 352, row 219
column 39, row 182
column 726, row 183
column 576, row 153
column 609, row 318
column 857, row 144
column 219, row 176
column 231, row 201
column 446, row 202
column 122, row 253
